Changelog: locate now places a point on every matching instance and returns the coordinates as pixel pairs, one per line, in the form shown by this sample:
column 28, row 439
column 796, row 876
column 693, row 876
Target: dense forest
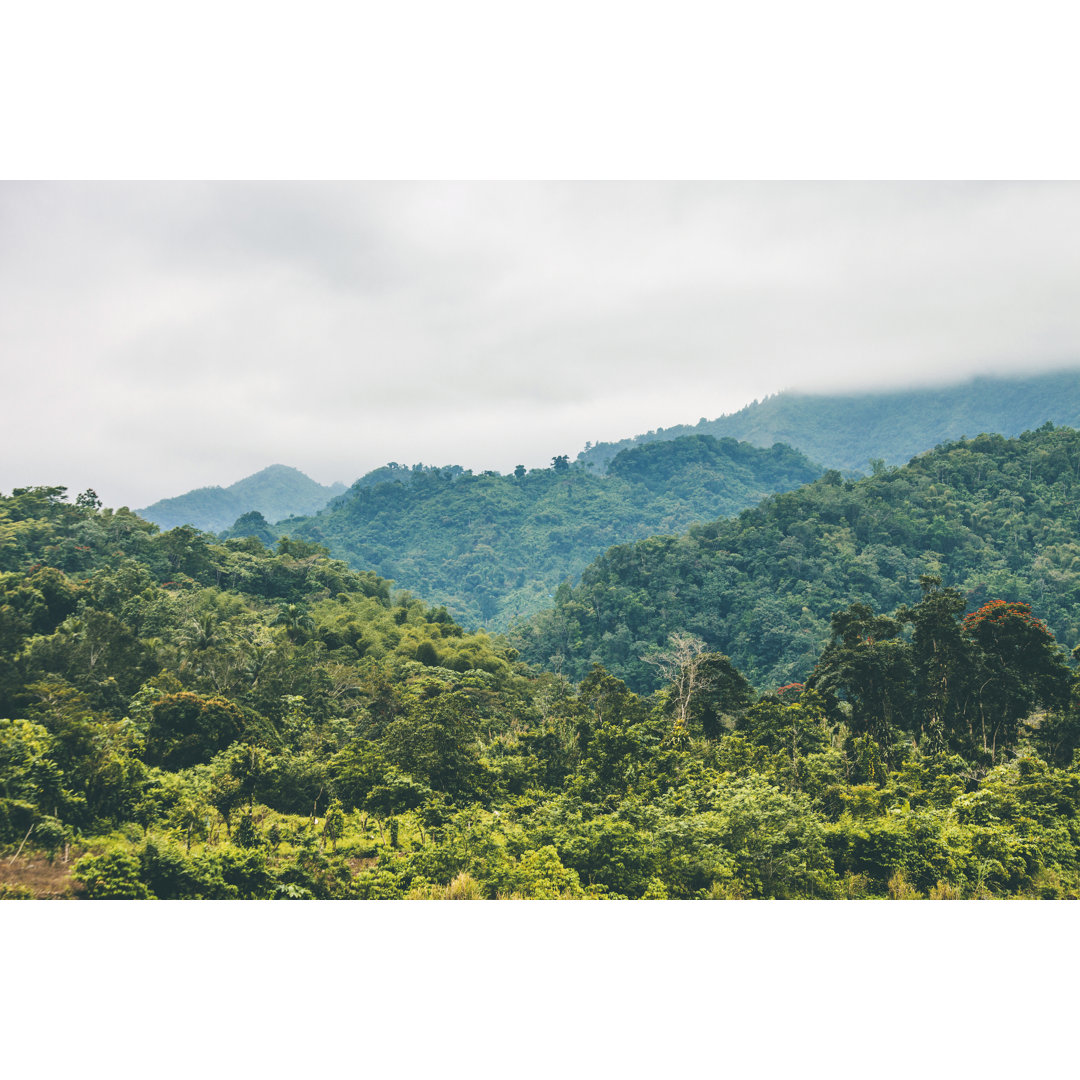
column 848, row 431
column 994, row 517
column 275, row 492
column 190, row 717
column 492, row 548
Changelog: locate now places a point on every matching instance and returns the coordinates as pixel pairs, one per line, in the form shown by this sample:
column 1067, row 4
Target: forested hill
column 997, row 518
column 493, row 547
column 186, row 718
column 849, row 431
column 275, row 492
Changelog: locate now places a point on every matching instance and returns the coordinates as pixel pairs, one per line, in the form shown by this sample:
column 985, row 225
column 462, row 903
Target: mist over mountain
column 848, row 431
column 276, row 492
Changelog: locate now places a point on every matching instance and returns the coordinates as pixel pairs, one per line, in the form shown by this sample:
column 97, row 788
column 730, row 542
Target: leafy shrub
column 116, row 875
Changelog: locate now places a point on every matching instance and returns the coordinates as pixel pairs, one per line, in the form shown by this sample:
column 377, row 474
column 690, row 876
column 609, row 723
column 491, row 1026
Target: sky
column 159, row 337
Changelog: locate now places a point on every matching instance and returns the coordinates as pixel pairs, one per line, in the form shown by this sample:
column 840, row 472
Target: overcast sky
column 157, row 338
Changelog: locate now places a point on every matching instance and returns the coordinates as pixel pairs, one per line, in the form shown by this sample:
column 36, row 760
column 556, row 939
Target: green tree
column 356, row 770
column 115, row 875
column 334, row 823
column 29, row 777
column 247, row 833
column 51, row 834
column 791, row 729
column 436, row 742
column 942, row 662
column 225, row 795
column 249, row 764
column 187, row 729
column 295, row 621
column 867, row 665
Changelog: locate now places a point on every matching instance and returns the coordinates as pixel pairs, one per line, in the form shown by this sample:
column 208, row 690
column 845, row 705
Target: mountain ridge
column 848, row 431
column 277, row 492
column 493, row 547
column 991, row 516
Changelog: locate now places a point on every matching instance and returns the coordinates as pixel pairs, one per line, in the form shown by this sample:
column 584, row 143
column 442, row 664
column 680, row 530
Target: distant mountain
column 492, row 547
column 849, row 431
column 994, row 517
column 276, row 492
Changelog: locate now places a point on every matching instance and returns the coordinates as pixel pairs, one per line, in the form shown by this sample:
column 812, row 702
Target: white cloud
column 156, row 338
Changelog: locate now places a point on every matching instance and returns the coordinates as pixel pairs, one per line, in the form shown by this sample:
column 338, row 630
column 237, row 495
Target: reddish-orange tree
column 1018, row 667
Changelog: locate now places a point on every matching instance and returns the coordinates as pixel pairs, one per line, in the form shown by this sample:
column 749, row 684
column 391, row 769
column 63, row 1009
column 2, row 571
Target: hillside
column 992, row 516
column 275, row 492
column 849, row 431
column 493, row 548
column 184, row 718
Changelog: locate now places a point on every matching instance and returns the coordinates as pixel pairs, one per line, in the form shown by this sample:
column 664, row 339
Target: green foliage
column 112, row 876
column 247, row 833
column 334, row 825
column 251, row 524
column 776, row 842
column 494, row 548
column 16, row 892
column 187, row 728
column 222, row 721
column 436, row 742
column 992, row 517
column 29, row 776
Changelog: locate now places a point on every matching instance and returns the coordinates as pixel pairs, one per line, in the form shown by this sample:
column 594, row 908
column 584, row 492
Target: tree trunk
column 23, row 844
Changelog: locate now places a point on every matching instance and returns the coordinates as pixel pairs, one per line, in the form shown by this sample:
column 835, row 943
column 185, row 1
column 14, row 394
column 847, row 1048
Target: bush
column 464, row 887
column 168, row 873
column 15, row 892
column 246, row 834
column 115, row 875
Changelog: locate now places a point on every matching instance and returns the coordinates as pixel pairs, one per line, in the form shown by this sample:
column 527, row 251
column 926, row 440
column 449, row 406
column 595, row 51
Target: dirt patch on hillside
column 34, row 874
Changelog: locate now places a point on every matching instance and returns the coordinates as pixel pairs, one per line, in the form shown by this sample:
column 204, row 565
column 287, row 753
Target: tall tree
column 942, row 660
column 1020, row 666
column 867, row 665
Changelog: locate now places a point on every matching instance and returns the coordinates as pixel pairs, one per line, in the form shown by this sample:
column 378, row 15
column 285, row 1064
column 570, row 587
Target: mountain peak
column 276, row 492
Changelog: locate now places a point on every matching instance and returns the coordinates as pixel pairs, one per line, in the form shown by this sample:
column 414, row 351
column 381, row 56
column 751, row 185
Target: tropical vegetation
column 191, row 717
column 492, row 548
column 993, row 517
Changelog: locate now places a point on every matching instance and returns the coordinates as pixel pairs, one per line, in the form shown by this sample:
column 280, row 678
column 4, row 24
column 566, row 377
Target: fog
column 156, row 338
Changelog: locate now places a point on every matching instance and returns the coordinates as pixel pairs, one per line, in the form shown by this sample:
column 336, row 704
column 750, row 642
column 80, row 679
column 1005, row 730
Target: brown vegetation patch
column 36, row 875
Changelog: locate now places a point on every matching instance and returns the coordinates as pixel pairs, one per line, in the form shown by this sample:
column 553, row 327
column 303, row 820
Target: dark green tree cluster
column 961, row 685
